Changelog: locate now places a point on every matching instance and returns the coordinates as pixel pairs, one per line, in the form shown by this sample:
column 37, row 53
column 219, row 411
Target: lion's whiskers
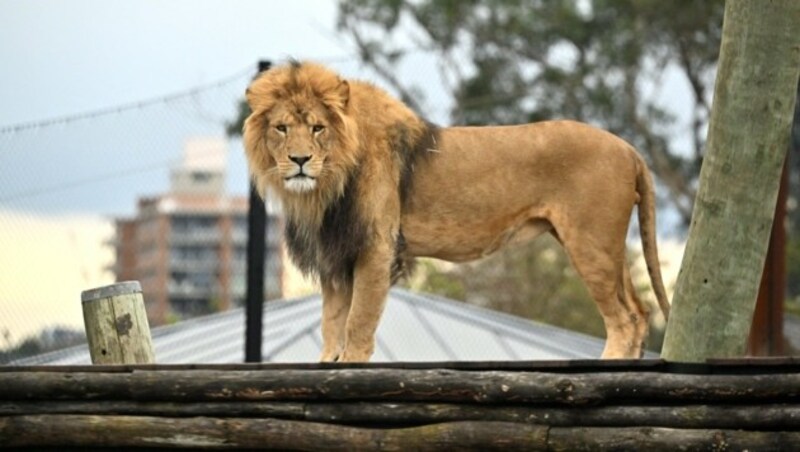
column 270, row 172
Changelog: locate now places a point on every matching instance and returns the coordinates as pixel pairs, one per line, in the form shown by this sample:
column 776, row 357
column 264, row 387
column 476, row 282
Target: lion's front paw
column 355, row 356
column 330, row 356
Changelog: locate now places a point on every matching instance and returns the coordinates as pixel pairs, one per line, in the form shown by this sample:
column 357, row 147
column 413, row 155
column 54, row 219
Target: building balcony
column 195, row 237
column 186, row 289
column 205, row 263
column 239, row 237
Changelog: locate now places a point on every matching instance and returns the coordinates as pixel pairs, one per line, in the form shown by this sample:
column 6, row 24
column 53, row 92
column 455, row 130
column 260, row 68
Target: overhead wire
column 187, row 94
column 121, row 108
column 125, row 107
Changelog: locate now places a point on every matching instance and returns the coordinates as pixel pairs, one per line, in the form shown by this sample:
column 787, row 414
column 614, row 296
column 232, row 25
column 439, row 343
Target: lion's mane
column 328, row 228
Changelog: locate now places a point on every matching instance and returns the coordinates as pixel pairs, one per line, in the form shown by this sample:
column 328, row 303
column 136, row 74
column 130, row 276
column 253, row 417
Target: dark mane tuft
column 330, row 253
column 410, row 152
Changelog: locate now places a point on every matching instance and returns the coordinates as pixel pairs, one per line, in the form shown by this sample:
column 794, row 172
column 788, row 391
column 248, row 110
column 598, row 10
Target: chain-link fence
column 151, row 191
column 154, row 191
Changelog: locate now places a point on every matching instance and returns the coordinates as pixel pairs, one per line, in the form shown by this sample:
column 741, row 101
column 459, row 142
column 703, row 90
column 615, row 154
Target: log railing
column 600, row 406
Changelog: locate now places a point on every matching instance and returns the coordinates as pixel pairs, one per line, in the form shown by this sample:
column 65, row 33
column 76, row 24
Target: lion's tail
column 647, row 230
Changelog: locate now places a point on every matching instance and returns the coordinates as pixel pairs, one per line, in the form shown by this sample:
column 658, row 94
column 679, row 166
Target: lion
column 367, row 185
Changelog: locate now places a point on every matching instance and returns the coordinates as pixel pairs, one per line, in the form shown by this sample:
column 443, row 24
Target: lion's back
column 373, row 107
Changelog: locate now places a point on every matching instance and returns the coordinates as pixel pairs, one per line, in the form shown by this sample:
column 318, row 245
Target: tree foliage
column 599, row 61
column 533, row 281
column 46, row 340
column 543, row 286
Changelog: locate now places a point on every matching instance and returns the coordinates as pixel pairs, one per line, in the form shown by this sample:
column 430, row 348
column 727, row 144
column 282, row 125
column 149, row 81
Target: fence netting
column 154, row 191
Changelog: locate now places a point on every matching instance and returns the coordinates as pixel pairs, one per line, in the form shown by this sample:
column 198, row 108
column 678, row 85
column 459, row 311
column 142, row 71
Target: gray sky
column 66, row 57
column 62, row 58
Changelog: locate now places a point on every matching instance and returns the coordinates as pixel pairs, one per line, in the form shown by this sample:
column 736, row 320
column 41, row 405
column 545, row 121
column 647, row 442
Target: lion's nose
column 300, row 160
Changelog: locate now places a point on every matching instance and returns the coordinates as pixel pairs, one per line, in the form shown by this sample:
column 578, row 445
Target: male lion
column 366, row 185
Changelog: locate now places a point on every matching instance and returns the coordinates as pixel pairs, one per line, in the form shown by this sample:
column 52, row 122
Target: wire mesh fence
column 156, row 191
column 153, row 191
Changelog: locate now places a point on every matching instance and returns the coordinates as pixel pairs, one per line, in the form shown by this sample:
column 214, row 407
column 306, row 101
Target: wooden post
column 116, row 324
column 749, row 129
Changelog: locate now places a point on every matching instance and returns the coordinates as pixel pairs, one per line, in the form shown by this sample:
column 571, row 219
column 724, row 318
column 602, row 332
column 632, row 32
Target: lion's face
column 299, row 138
column 300, row 142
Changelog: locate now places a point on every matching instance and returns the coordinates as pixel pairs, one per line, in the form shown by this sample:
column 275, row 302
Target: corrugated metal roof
column 414, row 327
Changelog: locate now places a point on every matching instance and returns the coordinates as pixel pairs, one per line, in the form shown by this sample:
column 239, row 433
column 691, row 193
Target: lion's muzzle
column 300, row 160
column 300, row 180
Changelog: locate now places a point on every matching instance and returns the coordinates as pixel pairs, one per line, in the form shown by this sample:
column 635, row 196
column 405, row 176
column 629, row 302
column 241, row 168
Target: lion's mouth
column 300, row 183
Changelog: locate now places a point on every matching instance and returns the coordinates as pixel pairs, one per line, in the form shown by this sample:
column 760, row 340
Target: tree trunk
column 748, row 136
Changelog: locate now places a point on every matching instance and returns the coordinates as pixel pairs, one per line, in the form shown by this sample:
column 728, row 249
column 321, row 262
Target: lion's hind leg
column 640, row 315
column 600, row 262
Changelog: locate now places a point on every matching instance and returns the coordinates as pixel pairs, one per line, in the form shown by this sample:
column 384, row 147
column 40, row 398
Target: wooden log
column 210, row 433
column 746, row 417
column 278, row 410
column 116, row 324
column 738, row 366
column 65, row 386
column 392, row 385
column 667, row 439
column 275, row 434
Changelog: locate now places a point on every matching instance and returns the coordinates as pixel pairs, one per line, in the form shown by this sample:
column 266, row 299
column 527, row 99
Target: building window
column 201, row 177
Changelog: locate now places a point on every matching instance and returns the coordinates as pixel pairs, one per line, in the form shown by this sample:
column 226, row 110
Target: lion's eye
column 317, row 128
column 281, row 128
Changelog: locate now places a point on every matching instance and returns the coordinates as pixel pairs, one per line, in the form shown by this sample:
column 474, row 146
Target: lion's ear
column 336, row 98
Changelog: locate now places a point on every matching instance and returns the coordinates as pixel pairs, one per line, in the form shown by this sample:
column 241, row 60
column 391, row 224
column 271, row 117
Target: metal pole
column 256, row 254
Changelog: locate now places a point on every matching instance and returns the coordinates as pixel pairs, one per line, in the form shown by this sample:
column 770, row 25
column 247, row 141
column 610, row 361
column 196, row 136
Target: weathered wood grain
column 274, row 434
column 212, row 433
column 748, row 417
column 116, row 325
column 390, row 385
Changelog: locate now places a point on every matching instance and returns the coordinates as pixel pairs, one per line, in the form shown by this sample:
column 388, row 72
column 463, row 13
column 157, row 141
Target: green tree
column 510, row 61
column 533, row 281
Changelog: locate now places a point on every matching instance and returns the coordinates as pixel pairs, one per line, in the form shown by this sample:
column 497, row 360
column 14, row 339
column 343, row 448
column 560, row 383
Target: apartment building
column 188, row 247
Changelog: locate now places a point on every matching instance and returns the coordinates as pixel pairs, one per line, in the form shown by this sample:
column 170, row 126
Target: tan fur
column 480, row 189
